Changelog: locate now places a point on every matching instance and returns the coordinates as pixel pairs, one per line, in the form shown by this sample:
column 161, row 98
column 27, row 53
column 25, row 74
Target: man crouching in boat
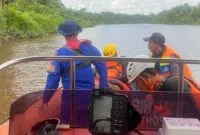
column 116, row 70
column 140, row 75
column 159, row 49
column 143, row 76
column 61, row 69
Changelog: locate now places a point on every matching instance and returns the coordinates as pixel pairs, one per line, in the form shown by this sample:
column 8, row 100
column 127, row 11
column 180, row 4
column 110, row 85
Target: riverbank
column 24, row 19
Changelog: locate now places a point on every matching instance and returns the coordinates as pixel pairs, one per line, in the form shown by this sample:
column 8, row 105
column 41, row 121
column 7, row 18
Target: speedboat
column 28, row 112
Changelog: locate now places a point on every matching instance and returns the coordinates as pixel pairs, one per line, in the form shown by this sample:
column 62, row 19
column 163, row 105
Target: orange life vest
column 115, row 69
column 142, row 83
column 194, row 90
column 164, row 67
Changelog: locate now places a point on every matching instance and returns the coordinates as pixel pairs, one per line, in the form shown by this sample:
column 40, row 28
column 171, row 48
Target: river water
column 20, row 79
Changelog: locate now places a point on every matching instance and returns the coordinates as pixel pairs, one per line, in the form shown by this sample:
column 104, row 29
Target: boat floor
column 73, row 131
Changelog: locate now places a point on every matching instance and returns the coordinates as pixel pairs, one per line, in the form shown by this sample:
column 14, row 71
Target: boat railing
column 73, row 59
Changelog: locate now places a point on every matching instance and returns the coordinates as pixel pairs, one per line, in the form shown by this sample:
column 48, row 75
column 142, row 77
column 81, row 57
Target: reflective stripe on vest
column 164, row 68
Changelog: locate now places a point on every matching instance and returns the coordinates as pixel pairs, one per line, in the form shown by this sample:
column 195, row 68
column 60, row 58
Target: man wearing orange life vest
column 116, row 69
column 143, row 76
column 139, row 75
column 156, row 44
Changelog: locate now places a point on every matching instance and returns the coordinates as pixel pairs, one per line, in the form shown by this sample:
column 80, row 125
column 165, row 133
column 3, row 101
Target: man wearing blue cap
column 85, row 78
column 156, row 44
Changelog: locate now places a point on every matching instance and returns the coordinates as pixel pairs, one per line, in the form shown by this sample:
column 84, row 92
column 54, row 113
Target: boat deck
column 73, row 131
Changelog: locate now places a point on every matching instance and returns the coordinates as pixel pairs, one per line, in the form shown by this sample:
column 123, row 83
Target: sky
column 127, row 6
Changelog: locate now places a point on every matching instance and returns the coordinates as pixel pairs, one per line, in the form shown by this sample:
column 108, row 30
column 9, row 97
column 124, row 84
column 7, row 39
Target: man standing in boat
column 156, row 44
column 61, row 69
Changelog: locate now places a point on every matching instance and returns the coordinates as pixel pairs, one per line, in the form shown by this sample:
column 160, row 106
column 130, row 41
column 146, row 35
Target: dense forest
column 182, row 14
column 32, row 18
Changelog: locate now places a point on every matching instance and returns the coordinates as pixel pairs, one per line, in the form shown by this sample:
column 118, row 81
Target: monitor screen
column 102, row 109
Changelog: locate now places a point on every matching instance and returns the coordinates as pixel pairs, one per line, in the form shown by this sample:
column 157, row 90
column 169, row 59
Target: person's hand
column 51, row 67
column 96, row 84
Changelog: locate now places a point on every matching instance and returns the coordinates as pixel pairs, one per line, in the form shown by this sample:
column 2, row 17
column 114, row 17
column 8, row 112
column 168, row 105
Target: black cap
column 156, row 37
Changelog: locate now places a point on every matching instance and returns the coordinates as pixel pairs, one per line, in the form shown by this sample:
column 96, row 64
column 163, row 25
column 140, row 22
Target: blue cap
column 69, row 28
column 156, row 37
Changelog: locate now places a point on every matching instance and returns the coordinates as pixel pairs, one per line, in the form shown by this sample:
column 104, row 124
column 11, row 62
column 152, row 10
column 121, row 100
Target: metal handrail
column 96, row 58
column 72, row 60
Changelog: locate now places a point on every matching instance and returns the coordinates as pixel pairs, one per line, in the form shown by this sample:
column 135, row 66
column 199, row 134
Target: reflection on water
column 23, row 78
column 20, row 79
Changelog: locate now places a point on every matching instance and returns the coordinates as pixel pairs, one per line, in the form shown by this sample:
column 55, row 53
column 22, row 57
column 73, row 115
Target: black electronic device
column 108, row 113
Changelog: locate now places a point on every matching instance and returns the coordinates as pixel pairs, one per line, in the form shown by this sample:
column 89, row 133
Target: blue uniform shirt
column 85, row 78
